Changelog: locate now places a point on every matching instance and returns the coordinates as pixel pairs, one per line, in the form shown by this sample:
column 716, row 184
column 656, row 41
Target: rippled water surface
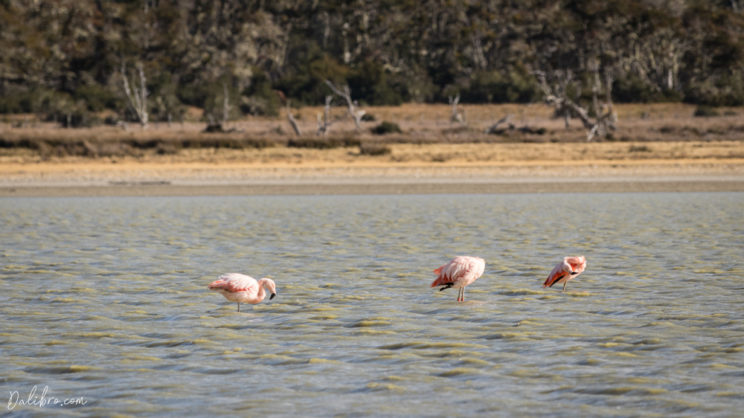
column 104, row 300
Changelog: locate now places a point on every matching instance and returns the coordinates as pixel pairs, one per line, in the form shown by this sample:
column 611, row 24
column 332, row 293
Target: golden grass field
column 651, row 142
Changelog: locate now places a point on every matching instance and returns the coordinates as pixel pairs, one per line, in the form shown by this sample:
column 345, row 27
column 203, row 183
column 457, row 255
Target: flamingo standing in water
column 458, row 273
column 566, row 270
column 237, row 287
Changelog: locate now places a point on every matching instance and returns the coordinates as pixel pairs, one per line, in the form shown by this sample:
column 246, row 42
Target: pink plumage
column 566, row 270
column 458, row 273
column 237, row 287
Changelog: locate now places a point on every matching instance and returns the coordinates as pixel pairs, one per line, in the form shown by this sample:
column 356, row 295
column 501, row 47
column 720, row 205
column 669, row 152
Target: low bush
column 323, row 142
column 386, row 128
column 374, row 149
column 639, row 148
column 703, row 111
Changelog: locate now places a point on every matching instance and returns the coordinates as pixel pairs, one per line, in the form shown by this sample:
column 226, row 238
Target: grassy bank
column 641, row 130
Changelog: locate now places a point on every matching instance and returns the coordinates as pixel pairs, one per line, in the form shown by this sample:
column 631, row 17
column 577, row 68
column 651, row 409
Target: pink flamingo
column 237, row 287
column 566, row 270
column 458, row 273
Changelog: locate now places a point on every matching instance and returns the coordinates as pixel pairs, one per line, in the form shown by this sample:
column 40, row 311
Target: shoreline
column 716, row 166
column 142, row 179
column 168, row 190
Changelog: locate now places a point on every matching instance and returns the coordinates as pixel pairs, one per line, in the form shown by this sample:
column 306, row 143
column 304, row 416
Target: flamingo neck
column 261, row 291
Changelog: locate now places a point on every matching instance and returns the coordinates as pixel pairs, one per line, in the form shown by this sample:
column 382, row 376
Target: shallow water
column 104, row 303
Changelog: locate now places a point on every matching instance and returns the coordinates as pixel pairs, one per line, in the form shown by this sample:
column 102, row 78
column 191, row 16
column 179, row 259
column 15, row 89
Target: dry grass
column 657, row 131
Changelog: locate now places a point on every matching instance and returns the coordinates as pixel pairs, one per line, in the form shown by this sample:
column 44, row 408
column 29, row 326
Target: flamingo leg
column 564, row 286
column 238, row 306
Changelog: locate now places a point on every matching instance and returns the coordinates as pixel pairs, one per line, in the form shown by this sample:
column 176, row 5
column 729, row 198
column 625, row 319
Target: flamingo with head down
column 237, row 287
column 458, row 273
column 566, row 270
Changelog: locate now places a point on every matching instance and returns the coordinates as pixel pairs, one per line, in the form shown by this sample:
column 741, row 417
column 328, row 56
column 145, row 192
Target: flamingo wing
column 461, row 270
column 235, row 282
column 569, row 268
column 557, row 274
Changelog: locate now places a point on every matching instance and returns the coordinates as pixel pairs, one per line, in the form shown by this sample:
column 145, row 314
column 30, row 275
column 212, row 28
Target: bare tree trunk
column 137, row 96
column 292, row 121
column 456, row 116
column 325, row 123
column 355, row 114
column 493, row 129
column 225, row 105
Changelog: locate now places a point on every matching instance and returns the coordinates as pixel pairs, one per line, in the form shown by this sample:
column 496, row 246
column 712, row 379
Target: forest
column 83, row 62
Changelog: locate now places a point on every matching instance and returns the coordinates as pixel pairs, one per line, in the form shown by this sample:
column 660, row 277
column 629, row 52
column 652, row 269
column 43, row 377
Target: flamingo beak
column 272, row 296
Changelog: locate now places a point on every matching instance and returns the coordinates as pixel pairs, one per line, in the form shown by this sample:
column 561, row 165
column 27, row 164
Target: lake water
column 104, row 305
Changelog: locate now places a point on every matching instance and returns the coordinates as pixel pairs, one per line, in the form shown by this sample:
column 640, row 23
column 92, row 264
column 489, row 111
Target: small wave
column 621, row 390
column 168, row 343
column 232, row 326
column 735, row 395
column 327, row 317
column 624, row 354
column 427, row 345
column 280, row 359
column 384, row 387
column 473, row 361
column 56, row 342
column 369, row 323
column 521, row 292
column 215, row 371
column 459, row 371
column 509, row 336
column 74, row 368
column 139, row 357
column 96, row 335
column 316, row 360
column 372, row 331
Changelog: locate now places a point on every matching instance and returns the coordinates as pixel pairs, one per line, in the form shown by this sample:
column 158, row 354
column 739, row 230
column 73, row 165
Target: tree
column 351, row 105
column 136, row 94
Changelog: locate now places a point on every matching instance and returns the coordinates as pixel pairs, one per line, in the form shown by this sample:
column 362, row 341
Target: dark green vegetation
column 66, row 60
column 386, row 128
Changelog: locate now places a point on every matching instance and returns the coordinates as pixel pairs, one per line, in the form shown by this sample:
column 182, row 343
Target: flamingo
column 237, row 287
column 458, row 273
column 566, row 270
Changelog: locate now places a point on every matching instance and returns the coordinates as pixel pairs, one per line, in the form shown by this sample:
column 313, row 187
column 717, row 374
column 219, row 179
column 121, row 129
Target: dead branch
column 292, row 121
column 225, row 104
column 495, row 127
column 456, row 115
column 351, row 105
column 602, row 123
column 325, row 123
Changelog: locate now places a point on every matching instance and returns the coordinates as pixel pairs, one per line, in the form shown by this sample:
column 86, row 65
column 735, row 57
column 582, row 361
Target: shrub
column 374, row 149
column 369, row 84
column 704, row 111
column 96, row 97
column 16, row 99
column 323, row 143
column 260, row 98
column 717, row 90
column 496, row 87
column 386, row 128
